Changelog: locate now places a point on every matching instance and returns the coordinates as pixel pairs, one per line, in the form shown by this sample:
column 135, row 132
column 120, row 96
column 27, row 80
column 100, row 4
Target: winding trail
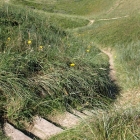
column 113, row 18
column 127, row 99
column 112, row 72
column 91, row 22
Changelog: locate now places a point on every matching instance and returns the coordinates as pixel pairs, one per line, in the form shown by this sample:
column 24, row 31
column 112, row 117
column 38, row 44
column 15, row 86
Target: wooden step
column 79, row 114
column 43, row 129
column 66, row 119
column 15, row 134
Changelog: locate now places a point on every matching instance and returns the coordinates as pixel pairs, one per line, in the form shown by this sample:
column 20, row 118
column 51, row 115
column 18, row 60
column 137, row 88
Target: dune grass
column 80, row 8
column 122, row 36
column 44, row 68
column 127, row 63
column 113, row 32
column 61, row 20
column 125, row 7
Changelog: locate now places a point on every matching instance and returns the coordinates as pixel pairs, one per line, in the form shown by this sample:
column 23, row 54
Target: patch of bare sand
column 91, row 22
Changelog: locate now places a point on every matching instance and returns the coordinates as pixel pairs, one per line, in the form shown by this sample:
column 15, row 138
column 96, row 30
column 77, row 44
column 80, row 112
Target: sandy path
column 112, row 73
column 91, row 22
column 127, row 99
column 114, row 18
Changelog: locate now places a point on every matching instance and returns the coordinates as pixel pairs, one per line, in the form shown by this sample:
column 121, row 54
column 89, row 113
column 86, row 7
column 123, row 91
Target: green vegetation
column 122, row 35
column 44, row 68
column 67, row 22
column 113, row 126
column 115, row 32
column 72, row 7
column 46, row 65
column 2, row 136
column 124, row 7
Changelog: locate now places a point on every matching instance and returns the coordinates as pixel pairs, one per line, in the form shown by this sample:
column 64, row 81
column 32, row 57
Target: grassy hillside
column 113, row 32
column 72, row 7
column 44, row 68
column 122, row 35
column 125, row 7
column 62, row 21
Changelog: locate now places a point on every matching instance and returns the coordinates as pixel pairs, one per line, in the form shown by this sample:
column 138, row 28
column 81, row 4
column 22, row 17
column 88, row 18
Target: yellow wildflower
column 72, row 64
column 88, row 50
column 29, row 42
column 8, row 38
column 40, row 48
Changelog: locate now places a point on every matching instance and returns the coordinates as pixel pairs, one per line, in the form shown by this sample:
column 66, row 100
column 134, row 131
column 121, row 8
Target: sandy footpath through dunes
column 112, row 73
column 127, row 99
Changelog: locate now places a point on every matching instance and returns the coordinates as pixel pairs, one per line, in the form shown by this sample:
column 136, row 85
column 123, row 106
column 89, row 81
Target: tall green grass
column 36, row 73
column 38, row 80
column 123, row 8
column 64, row 21
column 113, row 32
column 127, row 62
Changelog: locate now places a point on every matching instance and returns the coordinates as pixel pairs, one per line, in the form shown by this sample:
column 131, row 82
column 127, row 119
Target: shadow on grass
column 100, row 92
column 110, row 88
